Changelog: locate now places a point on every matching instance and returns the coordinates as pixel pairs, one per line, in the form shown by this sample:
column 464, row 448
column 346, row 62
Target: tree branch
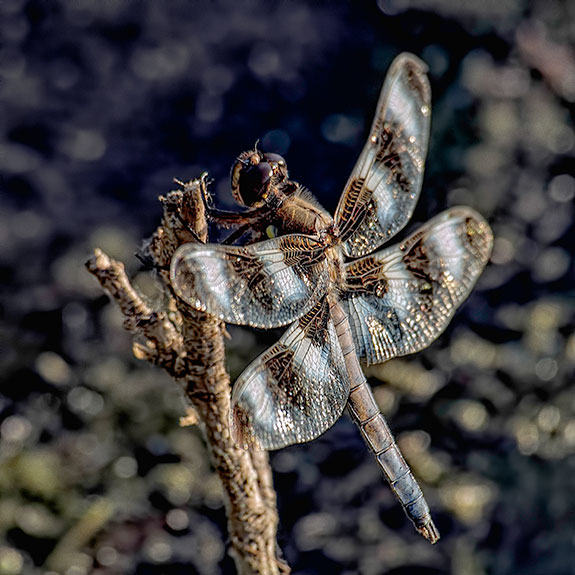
column 189, row 345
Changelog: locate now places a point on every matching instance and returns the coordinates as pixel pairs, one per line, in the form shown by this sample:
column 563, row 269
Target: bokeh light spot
column 471, row 415
column 107, row 556
column 158, row 550
column 125, row 467
column 15, row 429
column 341, row 129
column 53, row 368
column 562, row 188
column 11, row 561
column 546, row 369
column 549, row 418
column 177, row 519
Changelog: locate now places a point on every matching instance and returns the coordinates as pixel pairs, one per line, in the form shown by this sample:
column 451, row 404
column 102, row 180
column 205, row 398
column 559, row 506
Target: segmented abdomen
column 376, row 433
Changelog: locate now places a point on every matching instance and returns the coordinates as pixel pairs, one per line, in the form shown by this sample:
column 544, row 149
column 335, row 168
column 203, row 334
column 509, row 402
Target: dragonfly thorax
column 337, row 271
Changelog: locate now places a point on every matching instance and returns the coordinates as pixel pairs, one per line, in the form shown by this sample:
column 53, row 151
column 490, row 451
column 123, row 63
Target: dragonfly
column 344, row 299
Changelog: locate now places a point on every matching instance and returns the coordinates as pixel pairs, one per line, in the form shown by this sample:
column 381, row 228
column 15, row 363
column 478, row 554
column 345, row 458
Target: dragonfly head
column 255, row 177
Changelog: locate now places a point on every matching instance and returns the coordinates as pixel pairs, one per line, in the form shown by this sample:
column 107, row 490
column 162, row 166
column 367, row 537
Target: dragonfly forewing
column 265, row 285
column 384, row 186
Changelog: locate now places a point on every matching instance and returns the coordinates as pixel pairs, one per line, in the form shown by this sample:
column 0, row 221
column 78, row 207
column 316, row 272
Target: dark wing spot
column 252, row 271
column 426, row 272
column 388, row 154
column 280, row 364
column 315, row 324
column 365, row 276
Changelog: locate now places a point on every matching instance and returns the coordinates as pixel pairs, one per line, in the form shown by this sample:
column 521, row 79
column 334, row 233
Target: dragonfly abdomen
column 377, row 435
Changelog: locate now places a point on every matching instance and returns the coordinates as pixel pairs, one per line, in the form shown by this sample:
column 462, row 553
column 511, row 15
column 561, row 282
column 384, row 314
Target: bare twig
column 189, row 345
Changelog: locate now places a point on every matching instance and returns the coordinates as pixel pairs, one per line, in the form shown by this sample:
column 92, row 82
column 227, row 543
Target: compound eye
column 275, row 158
column 253, row 182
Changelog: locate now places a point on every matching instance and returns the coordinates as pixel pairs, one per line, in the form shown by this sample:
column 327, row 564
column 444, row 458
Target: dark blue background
column 103, row 103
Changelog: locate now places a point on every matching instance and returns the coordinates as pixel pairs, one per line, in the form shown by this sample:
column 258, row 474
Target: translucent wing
column 295, row 390
column 383, row 188
column 400, row 299
column 265, row 285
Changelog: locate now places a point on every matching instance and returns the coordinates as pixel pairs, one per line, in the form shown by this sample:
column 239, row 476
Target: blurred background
column 103, row 103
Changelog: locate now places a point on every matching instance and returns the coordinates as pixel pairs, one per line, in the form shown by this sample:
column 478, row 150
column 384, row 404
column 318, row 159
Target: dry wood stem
column 189, row 345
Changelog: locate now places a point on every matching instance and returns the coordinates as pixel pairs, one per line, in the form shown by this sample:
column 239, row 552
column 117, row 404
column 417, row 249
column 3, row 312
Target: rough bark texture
column 189, row 345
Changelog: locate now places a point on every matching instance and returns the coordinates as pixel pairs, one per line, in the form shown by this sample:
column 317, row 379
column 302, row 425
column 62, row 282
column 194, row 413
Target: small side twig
column 189, row 345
